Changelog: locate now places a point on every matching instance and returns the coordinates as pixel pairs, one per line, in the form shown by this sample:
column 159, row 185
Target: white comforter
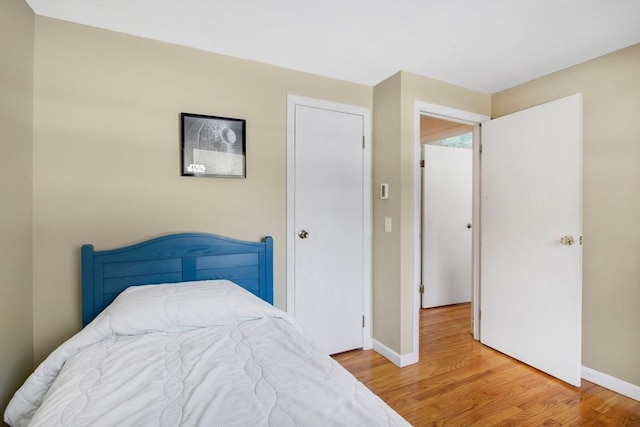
column 193, row 354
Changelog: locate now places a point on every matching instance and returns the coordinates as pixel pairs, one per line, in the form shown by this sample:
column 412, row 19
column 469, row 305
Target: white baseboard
column 400, row 360
column 612, row 383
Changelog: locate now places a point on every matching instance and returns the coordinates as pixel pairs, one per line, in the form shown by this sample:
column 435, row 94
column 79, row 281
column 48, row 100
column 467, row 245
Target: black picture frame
column 213, row 146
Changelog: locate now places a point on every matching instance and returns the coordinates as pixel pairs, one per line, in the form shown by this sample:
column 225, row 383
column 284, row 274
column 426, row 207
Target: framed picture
column 213, row 146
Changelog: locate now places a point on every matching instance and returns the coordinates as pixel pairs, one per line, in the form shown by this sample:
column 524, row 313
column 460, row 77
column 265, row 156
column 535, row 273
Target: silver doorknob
column 303, row 234
column 567, row 240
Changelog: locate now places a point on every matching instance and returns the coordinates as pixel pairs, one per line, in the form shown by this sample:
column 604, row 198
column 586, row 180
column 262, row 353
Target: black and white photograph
column 213, row 146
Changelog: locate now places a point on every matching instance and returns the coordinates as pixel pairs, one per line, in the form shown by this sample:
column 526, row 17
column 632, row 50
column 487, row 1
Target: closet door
column 446, row 217
column 328, row 228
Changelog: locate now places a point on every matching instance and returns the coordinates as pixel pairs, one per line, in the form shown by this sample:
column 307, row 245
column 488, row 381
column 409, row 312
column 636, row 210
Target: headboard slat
column 124, row 269
column 119, row 284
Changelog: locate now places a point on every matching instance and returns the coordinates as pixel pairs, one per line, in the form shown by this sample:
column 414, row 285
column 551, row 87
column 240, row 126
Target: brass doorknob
column 303, row 234
column 567, row 240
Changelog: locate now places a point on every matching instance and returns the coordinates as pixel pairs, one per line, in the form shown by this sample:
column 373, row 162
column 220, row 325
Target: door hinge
column 362, row 141
column 480, row 148
column 580, row 239
column 363, row 321
column 421, row 163
column 422, row 289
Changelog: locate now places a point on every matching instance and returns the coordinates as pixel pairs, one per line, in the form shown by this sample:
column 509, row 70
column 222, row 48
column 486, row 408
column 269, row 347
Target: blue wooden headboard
column 174, row 258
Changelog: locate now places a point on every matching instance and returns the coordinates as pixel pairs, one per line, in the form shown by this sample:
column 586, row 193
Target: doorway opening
column 447, row 196
column 465, row 118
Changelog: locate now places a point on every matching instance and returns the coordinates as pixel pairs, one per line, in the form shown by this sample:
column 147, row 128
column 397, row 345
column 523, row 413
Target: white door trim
column 292, row 101
column 464, row 117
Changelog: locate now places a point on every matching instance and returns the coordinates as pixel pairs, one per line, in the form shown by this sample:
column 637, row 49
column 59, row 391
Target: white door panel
column 329, row 203
column 531, row 196
column 446, row 244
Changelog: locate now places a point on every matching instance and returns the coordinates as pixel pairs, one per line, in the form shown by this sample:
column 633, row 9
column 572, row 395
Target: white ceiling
column 484, row 45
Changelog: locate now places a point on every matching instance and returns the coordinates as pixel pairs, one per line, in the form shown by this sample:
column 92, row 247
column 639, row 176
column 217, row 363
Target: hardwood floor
column 460, row 382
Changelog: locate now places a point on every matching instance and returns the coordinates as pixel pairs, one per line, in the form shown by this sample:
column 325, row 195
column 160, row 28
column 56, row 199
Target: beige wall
column 386, row 169
column 394, row 162
column 611, row 272
column 106, row 153
column 16, row 145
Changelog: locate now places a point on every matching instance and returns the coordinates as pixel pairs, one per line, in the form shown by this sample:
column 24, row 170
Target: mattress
column 194, row 354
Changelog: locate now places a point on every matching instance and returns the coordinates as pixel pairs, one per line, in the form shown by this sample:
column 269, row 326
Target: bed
column 180, row 330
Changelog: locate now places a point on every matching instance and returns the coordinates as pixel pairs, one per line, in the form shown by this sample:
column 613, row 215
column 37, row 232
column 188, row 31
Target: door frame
column 292, row 102
column 465, row 117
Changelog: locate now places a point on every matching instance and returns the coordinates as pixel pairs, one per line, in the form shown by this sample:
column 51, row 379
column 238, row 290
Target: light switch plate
column 384, row 191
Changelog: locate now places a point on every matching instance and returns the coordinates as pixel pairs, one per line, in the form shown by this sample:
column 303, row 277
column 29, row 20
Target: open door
column 530, row 244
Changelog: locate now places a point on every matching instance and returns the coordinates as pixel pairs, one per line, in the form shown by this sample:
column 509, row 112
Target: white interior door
column 531, row 197
column 446, row 244
column 328, row 222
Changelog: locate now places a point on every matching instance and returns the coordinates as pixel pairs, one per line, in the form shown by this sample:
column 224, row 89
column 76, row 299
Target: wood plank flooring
column 460, row 382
